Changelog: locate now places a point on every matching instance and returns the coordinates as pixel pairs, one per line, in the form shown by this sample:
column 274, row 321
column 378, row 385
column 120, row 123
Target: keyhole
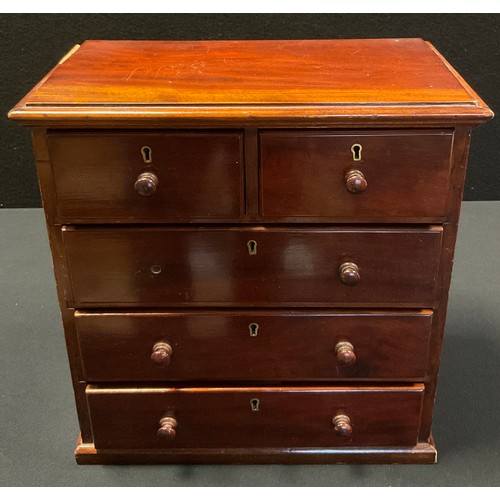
column 147, row 154
column 252, row 247
column 356, row 152
column 254, row 404
column 254, row 329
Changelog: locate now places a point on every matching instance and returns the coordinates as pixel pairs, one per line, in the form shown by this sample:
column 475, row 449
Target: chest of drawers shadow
column 253, row 244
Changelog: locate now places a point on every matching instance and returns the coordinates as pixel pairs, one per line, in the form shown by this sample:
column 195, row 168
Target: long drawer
column 253, row 345
column 255, row 266
column 148, row 418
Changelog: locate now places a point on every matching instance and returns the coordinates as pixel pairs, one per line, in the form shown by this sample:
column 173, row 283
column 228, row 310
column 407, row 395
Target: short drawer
column 253, row 345
column 265, row 266
column 382, row 176
column 142, row 176
column 139, row 417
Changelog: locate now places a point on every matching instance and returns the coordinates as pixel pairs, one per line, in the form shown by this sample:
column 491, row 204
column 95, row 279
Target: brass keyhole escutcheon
column 147, row 154
column 253, row 328
column 356, row 152
column 255, row 404
column 252, row 247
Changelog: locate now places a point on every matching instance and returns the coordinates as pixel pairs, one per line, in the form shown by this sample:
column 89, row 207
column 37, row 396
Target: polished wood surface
column 167, row 429
column 450, row 228
column 422, row 453
column 49, row 200
column 355, row 181
column 251, row 71
column 224, row 417
column 286, row 345
column 344, row 353
column 349, row 273
column 213, row 266
column 248, row 285
column 259, row 82
column 406, row 174
column 162, row 353
column 342, row 425
column 98, row 175
column 146, row 184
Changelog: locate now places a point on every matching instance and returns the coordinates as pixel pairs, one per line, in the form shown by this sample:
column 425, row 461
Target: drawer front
column 365, row 176
column 256, row 266
column 256, row 345
column 197, row 175
column 253, row 417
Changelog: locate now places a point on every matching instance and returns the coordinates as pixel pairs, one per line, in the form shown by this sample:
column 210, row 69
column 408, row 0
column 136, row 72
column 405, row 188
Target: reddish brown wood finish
column 342, row 425
column 345, row 353
column 46, row 183
column 223, row 417
column 212, row 266
column 282, row 114
column 355, row 181
column 289, row 345
column 304, row 174
column 349, row 273
column 251, row 72
column 460, row 155
column 161, row 353
column 167, row 430
column 252, row 82
column 200, row 175
column 422, row 453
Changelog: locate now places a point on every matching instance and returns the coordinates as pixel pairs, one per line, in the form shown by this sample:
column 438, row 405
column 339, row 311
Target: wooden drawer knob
column 344, row 352
column 162, row 353
column 349, row 273
column 342, row 425
column 146, row 184
column 355, row 181
column 167, row 428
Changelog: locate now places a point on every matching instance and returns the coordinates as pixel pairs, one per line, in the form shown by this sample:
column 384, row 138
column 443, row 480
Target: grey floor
column 38, row 422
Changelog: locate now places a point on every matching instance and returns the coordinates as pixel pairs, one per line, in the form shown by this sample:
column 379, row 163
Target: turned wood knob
column 344, row 352
column 167, row 428
column 146, row 184
column 342, row 425
column 355, row 181
column 162, row 353
column 349, row 273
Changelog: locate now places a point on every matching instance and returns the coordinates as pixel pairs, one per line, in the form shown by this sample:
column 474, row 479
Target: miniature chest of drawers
column 253, row 243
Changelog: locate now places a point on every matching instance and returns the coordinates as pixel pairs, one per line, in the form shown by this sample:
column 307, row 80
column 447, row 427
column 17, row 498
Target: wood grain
column 289, row 345
column 422, row 453
column 248, row 80
column 223, row 418
column 200, row 175
column 461, row 146
column 200, row 72
column 303, row 174
column 211, row 266
column 49, row 201
column 158, row 301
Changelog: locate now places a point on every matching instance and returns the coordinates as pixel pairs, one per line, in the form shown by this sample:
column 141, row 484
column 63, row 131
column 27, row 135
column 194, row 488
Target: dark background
column 31, row 44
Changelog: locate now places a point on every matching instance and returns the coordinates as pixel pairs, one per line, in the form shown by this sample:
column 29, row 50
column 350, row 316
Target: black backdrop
column 31, row 44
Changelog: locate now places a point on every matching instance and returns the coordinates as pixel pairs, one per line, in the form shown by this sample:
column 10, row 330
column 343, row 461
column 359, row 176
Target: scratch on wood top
column 130, row 76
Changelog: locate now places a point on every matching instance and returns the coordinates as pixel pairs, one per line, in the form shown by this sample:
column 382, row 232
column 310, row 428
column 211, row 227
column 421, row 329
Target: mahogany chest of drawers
column 253, row 243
